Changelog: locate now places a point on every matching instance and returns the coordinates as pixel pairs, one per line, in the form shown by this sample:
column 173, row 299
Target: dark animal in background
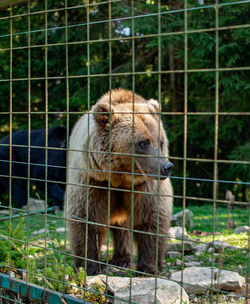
column 56, row 160
column 132, row 121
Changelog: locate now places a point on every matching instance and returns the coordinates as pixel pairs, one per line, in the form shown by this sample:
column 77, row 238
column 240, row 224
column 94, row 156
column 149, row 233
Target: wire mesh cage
column 99, row 100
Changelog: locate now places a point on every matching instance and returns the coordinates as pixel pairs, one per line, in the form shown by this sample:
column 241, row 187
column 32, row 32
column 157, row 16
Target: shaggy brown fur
column 130, row 119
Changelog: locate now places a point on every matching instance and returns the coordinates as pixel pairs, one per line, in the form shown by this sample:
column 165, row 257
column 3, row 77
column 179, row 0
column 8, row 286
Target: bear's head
column 129, row 143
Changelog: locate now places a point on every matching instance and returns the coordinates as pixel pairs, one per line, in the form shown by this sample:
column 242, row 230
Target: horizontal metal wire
column 94, row 41
column 129, row 18
column 123, row 172
column 127, row 74
column 68, row 8
column 132, row 191
column 64, row 253
column 113, row 1
column 161, row 113
column 231, row 161
column 75, row 218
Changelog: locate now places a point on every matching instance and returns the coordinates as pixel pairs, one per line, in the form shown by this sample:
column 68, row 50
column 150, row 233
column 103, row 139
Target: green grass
column 204, row 219
column 58, row 265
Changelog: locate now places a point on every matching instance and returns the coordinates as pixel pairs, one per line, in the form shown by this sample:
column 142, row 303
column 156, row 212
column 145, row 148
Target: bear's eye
column 161, row 144
column 144, row 144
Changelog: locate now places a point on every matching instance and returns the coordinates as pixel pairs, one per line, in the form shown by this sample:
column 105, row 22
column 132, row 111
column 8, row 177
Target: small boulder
column 143, row 290
column 220, row 246
column 242, row 229
column 189, row 258
column 35, row 205
column 177, row 246
column 178, row 233
column 201, row 247
column 197, row 280
column 174, row 254
column 192, row 264
column 178, row 262
column 93, row 281
column 177, row 219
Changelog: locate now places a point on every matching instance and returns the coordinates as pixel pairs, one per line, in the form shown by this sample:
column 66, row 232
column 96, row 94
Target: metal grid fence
column 149, row 47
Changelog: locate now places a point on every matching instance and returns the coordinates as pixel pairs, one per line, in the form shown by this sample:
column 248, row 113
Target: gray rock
column 188, row 246
column 197, row 280
column 177, row 219
column 37, row 232
column 92, row 281
column 143, row 290
column 219, row 246
column 242, row 229
column 178, row 262
column 176, row 233
column 61, row 229
column 5, row 212
column 189, row 258
column 192, row 264
column 173, row 254
column 201, row 247
column 35, row 205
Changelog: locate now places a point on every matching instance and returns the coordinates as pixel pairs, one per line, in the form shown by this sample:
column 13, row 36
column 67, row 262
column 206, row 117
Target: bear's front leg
column 150, row 247
column 77, row 234
column 151, row 223
column 122, row 246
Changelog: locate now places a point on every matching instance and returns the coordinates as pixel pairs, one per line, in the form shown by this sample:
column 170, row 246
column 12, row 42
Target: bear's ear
column 104, row 114
column 155, row 104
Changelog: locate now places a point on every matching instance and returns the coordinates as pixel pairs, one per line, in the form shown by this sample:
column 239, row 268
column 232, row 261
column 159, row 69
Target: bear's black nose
column 168, row 168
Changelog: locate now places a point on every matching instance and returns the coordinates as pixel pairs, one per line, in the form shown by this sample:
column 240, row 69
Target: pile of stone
column 141, row 290
column 190, row 281
column 198, row 280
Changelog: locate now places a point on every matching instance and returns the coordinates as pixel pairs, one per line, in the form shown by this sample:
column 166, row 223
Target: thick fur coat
column 121, row 135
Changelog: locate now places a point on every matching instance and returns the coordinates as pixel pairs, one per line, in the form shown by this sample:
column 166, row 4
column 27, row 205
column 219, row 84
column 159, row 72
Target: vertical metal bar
column 133, row 148
column 109, row 146
column 158, row 179
column 46, row 140
column 10, row 132
column 216, row 129
column 185, row 127
column 88, row 153
column 67, row 126
column 29, row 143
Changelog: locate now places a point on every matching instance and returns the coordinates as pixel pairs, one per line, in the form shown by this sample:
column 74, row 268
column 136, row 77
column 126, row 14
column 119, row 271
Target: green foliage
column 233, row 85
column 13, row 243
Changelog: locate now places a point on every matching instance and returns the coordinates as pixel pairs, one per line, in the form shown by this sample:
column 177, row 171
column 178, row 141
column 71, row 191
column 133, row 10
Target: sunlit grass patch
column 208, row 219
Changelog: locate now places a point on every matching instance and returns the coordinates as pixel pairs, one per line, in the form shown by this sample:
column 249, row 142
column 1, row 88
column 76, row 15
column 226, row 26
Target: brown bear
column 117, row 177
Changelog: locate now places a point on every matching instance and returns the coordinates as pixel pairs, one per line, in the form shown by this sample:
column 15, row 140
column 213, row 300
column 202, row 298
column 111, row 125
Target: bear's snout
column 167, row 168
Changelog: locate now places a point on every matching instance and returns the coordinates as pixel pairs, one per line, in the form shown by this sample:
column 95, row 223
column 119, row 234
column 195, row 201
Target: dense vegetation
column 150, row 54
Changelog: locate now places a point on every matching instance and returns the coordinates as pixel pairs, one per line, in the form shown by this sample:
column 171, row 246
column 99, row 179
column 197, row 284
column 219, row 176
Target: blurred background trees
column 233, row 81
